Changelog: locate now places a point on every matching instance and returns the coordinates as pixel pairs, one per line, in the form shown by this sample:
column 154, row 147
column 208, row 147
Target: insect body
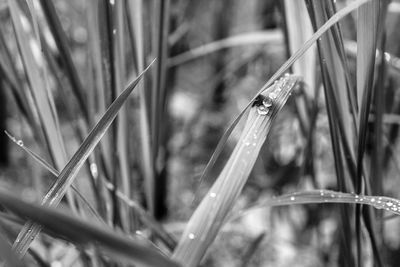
column 263, row 104
column 278, row 92
column 259, row 100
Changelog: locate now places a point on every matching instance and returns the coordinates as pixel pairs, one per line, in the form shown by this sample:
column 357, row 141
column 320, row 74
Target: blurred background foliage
column 212, row 57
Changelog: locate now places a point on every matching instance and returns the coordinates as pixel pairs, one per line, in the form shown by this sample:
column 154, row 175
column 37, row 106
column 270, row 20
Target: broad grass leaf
column 209, row 216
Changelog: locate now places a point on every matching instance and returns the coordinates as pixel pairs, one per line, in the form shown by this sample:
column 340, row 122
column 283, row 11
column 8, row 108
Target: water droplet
column 272, row 95
column 191, row 236
column 212, row 194
column 20, row 143
column 114, row 31
column 262, row 110
column 387, row 56
column 332, row 195
column 138, row 232
column 389, row 204
column 321, row 193
column 267, row 102
column 112, row 2
column 356, row 196
column 93, row 169
column 372, row 199
column 292, row 198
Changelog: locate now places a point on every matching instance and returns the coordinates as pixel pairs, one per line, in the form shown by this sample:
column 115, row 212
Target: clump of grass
column 127, row 174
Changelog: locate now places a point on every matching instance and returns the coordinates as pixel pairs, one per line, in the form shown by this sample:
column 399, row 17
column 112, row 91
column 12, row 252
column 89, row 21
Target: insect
column 263, row 104
column 259, row 101
column 277, row 94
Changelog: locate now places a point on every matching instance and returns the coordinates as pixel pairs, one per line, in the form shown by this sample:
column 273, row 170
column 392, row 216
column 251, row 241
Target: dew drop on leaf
column 267, row 102
column 262, row 110
column 191, row 236
column 272, row 95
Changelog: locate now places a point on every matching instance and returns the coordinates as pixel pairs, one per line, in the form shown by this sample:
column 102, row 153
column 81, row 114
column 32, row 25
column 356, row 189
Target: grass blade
column 158, row 100
column 144, row 216
column 299, row 29
column 206, row 221
column 62, row 45
column 284, row 67
column 121, row 125
column 135, row 17
column 53, row 171
column 389, row 204
column 67, row 175
column 252, row 38
column 87, row 234
column 44, row 104
column 367, row 25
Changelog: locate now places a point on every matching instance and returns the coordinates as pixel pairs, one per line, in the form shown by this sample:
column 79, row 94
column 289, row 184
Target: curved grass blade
column 251, row 38
column 147, row 219
column 332, row 21
column 389, row 204
column 328, row 24
column 56, row 173
column 209, row 216
column 67, row 175
column 86, row 234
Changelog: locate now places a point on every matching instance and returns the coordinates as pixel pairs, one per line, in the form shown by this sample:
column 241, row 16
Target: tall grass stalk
column 69, row 172
column 38, row 81
column 211, row 213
